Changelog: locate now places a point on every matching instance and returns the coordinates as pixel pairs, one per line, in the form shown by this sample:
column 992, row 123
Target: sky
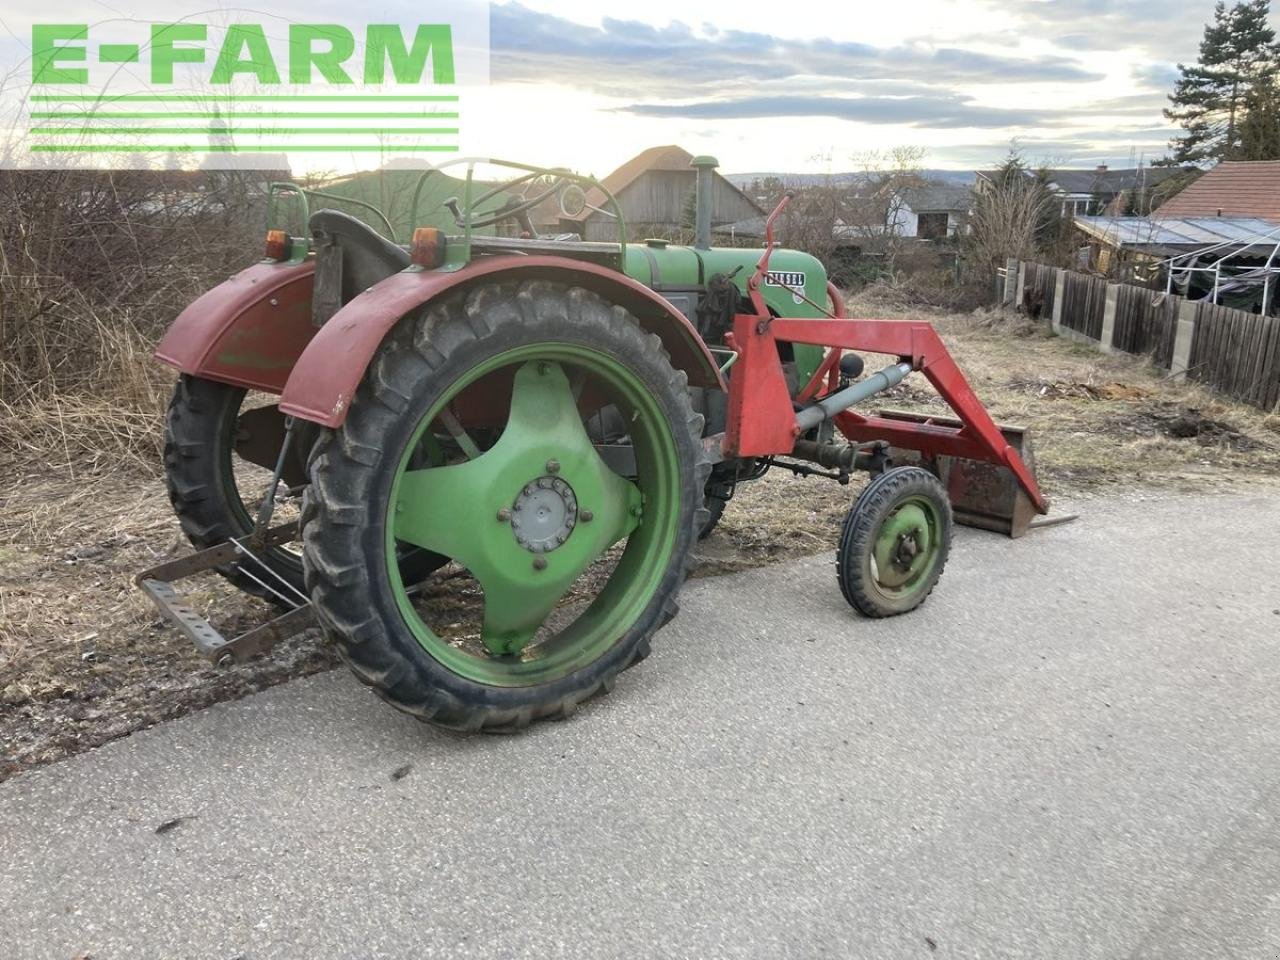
column 802, row 86
column 808, row 86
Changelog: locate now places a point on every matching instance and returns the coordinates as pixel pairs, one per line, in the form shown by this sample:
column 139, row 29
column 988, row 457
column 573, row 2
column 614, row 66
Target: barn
column 655, row 192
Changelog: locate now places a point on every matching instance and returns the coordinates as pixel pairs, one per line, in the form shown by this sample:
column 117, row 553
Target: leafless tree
column 877, row 211
column 1009, row 216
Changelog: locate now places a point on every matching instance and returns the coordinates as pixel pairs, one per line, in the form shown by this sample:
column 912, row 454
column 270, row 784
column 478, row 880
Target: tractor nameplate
column 784, row 278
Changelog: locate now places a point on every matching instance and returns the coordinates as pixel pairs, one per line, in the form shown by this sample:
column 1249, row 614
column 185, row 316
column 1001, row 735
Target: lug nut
column 637, row 510
column 504, row 515
column 553, row 466
column 586, row 516
column 539, row 563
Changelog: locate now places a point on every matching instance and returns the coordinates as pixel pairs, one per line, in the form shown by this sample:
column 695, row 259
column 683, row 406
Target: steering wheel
column 506, row 212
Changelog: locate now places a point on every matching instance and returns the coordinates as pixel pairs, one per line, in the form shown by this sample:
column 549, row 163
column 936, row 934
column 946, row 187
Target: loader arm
column 763, row 422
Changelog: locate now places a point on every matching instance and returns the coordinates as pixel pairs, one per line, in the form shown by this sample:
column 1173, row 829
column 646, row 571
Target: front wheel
column 467, row 439
column 894, row 542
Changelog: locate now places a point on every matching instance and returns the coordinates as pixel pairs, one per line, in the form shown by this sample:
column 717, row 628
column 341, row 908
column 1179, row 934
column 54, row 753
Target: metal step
column 158, row 582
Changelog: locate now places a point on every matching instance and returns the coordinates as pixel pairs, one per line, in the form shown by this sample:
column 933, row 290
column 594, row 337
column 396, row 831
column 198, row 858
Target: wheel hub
column 907, row 550
column 544, row 514
column 903, row 547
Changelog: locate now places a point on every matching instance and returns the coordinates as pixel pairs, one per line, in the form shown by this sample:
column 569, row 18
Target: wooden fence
column 1234, row 352
column 1146, row 322
column 1237, row 353
column 1040, row 289
column 1084, row 300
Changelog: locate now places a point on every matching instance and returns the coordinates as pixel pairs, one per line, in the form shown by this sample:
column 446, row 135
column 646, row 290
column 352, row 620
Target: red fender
column 331, row 367
column 248, row 331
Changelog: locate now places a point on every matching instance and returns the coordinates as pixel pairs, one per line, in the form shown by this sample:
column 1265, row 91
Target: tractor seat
column 350, row 257
column 359, row 241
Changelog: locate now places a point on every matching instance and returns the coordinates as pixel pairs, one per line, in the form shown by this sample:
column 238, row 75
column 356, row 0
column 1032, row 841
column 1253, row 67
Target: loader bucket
column 982, row 494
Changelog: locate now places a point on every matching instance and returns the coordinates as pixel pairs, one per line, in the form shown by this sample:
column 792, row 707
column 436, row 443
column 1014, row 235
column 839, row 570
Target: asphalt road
column 1071, row 751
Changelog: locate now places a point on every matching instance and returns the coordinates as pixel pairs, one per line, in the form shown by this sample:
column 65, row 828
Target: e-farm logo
column 177, row 92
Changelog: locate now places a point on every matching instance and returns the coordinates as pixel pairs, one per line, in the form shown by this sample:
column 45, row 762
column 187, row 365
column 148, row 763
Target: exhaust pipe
column 704, row 189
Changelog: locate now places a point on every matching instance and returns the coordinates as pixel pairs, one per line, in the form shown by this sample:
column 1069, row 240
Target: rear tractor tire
column 467, row 438
column 199, row 461
column 894, row 542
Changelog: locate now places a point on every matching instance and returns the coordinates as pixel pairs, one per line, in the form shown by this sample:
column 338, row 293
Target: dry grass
column 107, row 420
column 84, row 657
column 93, row 266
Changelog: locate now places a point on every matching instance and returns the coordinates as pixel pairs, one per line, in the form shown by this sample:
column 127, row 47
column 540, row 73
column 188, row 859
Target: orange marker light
column 277, row 245
column 427, row 249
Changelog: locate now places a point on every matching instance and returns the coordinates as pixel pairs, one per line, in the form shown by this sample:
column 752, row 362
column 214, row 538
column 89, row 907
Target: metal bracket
column 157, row 583
column 212, row 644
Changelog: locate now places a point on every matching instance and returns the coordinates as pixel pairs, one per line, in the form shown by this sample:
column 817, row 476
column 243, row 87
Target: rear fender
column 248, row 331
column 332, row 365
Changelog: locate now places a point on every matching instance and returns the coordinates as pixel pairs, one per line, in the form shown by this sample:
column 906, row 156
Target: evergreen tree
column 1210, row 102
column 1260, row 129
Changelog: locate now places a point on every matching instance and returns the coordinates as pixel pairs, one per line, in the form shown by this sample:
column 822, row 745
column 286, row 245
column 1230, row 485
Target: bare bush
column 93, row 265
column 1009, row 218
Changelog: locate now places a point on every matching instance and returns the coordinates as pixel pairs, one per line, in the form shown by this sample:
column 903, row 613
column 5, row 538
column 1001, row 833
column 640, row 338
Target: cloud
column 705, row 74
column 935, row 111
column 1158, row 76
column 1169, row 29
column 1135, row 105
column 932, row 109
column 626, row 55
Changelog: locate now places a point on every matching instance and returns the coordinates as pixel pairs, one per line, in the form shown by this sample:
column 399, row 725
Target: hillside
column 958, row 177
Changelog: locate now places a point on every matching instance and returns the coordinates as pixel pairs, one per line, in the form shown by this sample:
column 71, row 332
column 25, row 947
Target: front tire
column 894, row 542
column 517, row 498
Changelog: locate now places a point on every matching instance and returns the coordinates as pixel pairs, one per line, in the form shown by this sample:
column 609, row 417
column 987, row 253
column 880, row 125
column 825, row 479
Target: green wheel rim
column 907, row 548
column 542, row 465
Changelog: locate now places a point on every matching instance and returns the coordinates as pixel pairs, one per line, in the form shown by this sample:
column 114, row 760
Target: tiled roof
column 937, row 196
column 1231, row 189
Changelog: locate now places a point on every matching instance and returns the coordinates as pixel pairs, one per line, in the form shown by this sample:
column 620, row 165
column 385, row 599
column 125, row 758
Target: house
column 1096, row 191
column 1231, row 189
column 933, row 211
column 917, row 210
column 655, row 190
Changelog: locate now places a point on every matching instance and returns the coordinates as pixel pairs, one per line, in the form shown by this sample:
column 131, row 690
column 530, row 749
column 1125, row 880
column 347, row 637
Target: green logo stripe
column 214, row 115
column 232, row 148
column 201, row 98
column 243, row 131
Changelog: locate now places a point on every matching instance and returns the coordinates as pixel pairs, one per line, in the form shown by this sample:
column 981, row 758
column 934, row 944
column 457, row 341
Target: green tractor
column 480, row 457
